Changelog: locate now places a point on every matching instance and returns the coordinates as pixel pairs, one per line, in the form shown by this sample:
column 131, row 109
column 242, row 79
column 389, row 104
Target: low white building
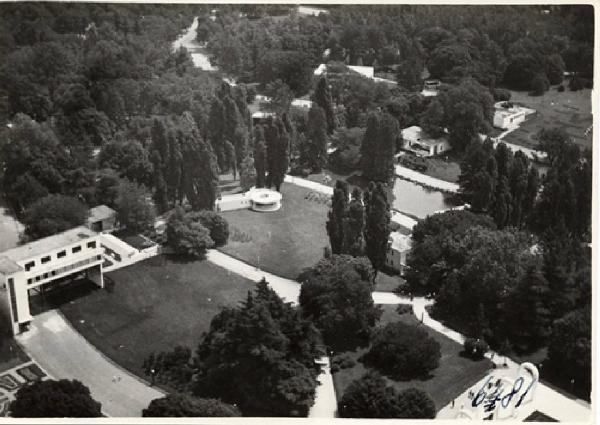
column 28, row 268
column 508, row 115
column 365, row 71
column 257, row 199
column 102, row 219
column 302, row 103
column 420, row 143
column 259, row 116
column 398, row 248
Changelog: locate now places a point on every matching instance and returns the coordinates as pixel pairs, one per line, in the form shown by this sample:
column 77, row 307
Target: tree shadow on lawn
column 423, row 377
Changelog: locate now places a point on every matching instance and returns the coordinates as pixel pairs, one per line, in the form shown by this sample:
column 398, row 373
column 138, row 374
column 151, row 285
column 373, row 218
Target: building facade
column 24, row 270
column 421, row 144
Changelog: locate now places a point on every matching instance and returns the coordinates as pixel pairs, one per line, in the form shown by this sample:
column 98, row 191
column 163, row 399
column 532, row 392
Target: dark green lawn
column 155, row 305
column 454, row 375
column 282, row 242
column 387, row 283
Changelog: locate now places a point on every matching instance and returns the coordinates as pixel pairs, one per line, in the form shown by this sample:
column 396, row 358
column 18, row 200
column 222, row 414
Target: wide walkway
column 65, row 354
column 425, row 180
column 325, row 402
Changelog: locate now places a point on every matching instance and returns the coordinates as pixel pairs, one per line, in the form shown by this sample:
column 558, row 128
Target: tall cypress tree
column 281, row 160
column 368, row 146
column 354, row 226
column 379, row 146
column 216, row 130
column 336, row 215
column 260, row 156
column 314, row 155
column 271, row 141
column 323, row 99
column 377, row 227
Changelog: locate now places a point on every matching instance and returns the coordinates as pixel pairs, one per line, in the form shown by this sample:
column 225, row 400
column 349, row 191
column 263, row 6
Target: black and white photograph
column 320, row 210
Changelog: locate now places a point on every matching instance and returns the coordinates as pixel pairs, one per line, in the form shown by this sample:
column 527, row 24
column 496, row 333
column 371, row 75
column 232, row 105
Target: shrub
column 370, row 397
column 343, row 361
column 403, row 351
column 188, row 237
column 501, row 95
column 539, row 85
column 576, row 83
column 216, row 224
column 185, row 406
column 561, row 88
column 55, row 399
column 404, row 309
column 475, row 348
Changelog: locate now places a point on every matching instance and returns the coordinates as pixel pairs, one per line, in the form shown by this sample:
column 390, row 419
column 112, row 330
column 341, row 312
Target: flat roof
column 416, row 134
column 101, row 212
column 50, row 243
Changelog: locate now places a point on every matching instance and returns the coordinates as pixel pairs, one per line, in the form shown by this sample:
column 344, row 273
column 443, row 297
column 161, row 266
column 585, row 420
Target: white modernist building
column 27, row 268
column 256, row 199
column 508, row 115
column 420, row 143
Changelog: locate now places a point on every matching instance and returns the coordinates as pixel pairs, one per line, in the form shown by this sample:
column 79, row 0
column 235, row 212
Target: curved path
column 546, row 399
column 65, row 354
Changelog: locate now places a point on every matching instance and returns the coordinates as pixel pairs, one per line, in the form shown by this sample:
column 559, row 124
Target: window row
column 62, row 270
column 61, row 254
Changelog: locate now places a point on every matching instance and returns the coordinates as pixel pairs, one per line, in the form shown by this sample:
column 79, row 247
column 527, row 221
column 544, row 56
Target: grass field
column 387, row 283
column 444, row 170
column 454, row 375
column 282, row 242
column 155, row 305
column 569, row 110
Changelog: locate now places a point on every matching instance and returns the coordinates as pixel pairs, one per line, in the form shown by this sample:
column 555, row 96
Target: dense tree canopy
column 336, row 296
column 370, row 397
column 403, row 352
column 55, row 399
column 187, row 234
column 260, row 356
column 53, row 214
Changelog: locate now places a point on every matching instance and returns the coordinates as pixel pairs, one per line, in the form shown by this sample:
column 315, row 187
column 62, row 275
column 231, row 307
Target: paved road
column 188, row 41
column 10, row 228
column 64, row 353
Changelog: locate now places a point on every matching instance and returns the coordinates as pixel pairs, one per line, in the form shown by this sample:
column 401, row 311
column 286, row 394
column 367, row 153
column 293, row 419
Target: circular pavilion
column 264, row 200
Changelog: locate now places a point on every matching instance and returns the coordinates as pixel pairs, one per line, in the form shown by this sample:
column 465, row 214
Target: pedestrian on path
column 453, row 404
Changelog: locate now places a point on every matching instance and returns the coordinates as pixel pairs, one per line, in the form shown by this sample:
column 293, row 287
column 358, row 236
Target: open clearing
column 155, row 305
column 283, row 242
column 569, row 110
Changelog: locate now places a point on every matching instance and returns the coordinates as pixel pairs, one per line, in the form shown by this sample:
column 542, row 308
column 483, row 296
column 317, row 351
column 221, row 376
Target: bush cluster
column 475, row 348
column 403, row 352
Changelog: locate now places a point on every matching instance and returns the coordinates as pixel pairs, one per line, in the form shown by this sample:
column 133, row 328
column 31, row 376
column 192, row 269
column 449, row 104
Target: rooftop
column 416, row 134
column 101, row 212
column 400, row 242
column 9, row 258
